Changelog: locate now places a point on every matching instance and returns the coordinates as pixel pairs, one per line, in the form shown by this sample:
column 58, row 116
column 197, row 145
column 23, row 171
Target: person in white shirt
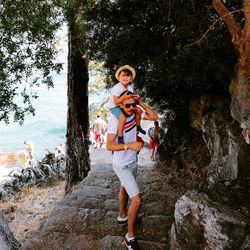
column 125, row 163
column 98, row 129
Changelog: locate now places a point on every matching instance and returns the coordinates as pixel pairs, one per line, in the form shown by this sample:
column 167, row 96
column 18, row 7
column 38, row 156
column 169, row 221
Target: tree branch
column 210, row 28
column 233, row 27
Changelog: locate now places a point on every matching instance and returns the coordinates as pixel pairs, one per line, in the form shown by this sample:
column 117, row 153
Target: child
column 125, row 75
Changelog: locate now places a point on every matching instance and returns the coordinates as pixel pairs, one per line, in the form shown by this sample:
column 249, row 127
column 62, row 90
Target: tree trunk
column 78, row 164
column 240, row 85
column 7, row 240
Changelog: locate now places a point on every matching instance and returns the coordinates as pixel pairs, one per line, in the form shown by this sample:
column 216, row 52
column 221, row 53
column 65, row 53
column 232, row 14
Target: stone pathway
column 86, row 219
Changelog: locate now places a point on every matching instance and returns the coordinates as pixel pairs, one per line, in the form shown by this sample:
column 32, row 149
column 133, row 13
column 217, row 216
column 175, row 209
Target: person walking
column 98, row 129
column 125, row 164
column 154, row 141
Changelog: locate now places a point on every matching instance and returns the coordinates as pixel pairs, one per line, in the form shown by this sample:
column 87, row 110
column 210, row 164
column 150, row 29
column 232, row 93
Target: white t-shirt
column 124, row 157
column 116, row 91
column 98, row 125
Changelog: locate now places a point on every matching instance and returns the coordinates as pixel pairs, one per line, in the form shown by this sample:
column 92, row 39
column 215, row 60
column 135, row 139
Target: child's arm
column 119, row 100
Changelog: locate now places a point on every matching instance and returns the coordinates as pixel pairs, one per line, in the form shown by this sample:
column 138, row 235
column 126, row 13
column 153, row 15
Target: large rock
column 201, row 223
column 201, row 105
column 19, row 178
column 230, row 155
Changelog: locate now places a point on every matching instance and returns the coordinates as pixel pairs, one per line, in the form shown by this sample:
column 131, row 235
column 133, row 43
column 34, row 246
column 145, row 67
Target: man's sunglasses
column 128, row 105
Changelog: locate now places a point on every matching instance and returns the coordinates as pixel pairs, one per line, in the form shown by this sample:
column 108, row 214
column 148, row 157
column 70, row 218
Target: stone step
column 87, row 218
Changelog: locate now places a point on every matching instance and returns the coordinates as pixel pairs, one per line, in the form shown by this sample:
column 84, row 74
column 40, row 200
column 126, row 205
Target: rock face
column 202, row 105
column 217, row 215
column 42, row 171
column 201, row 223
column 230, row 155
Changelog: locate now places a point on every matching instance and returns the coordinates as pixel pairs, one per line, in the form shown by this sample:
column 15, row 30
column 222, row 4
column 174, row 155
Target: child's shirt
column 116, row 91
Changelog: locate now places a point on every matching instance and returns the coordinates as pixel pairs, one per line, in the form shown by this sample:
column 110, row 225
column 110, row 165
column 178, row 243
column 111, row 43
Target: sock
column 122, row 218
column 141, row 130
column 129, row 238
column 120, row 139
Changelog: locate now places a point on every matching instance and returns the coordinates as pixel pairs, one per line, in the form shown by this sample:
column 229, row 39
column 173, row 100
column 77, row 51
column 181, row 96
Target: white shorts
column 127, row 177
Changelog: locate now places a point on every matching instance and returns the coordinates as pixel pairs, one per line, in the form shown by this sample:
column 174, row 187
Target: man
column 125, row 166
column 98, row 131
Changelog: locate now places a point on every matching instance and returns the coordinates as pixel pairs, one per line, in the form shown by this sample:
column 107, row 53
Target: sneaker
column 122, row 220
column 132, row 244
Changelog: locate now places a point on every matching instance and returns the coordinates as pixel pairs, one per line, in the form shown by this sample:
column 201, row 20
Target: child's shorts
column 116, row 111
column 127, row 175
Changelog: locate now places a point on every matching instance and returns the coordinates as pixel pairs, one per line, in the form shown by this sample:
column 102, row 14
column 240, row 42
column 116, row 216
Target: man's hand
column 136, row 98
column 135, row 146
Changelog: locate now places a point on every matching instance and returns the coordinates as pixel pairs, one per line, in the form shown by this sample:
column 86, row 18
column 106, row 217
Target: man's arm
column 150, row 113
column 112, row 145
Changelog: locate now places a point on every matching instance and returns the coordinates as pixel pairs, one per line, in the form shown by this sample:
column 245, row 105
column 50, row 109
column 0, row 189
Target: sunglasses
column 128, row 105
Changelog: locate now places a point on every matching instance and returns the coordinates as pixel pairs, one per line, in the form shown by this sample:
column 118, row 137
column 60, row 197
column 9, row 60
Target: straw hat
column 125, row 67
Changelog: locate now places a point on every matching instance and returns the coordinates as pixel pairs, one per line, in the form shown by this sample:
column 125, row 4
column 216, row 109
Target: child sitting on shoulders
column 125, row 75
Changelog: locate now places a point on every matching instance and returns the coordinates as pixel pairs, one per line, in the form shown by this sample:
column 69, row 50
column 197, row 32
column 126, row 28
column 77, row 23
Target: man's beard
column 126, row 114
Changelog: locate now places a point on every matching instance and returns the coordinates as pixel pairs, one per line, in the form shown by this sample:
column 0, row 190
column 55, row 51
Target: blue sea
column 47, row 128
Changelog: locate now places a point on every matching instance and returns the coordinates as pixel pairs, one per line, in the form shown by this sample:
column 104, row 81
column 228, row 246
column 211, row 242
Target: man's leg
column 123, row 201
column 132, row 214
column 98, row 141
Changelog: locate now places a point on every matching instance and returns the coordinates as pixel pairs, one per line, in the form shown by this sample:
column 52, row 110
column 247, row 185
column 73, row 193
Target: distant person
column 98, row 129
column 139, row 139
column 154, row 141
column 60, row 152
column 90, row 136
column 125, row 75
column 125, row 165
column 30, row 152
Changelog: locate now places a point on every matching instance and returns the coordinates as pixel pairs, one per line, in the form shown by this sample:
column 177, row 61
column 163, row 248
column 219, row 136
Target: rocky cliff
column 216, row 214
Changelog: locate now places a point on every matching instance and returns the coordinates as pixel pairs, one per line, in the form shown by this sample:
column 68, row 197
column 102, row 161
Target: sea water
column 47, row 128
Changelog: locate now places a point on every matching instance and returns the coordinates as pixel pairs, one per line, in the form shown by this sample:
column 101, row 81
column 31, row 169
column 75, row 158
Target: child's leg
column 122, row 120
column 138, row 112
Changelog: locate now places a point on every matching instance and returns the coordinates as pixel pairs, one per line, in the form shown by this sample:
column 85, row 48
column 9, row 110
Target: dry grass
column 31, row 207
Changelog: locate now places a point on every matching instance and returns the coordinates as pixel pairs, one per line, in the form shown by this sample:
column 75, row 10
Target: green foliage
column 27, row 53
column 160, row 39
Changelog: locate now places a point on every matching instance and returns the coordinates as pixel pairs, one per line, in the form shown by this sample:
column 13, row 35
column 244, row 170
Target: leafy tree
column 160, row 39
column 27, row 53
column 27, row 56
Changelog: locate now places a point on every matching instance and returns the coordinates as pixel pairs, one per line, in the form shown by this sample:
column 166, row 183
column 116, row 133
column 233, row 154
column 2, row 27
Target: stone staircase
column 86, row 219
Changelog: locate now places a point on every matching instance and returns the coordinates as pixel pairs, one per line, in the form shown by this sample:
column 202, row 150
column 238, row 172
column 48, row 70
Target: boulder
column 201, row 223
column 230, row 155
column 43, row 171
